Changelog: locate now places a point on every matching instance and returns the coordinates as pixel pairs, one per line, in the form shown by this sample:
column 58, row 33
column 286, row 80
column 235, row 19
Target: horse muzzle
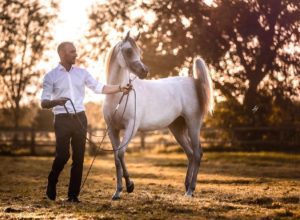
column 139, row 69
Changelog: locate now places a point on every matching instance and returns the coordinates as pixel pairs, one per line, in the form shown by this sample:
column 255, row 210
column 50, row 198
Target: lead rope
column 106, row 131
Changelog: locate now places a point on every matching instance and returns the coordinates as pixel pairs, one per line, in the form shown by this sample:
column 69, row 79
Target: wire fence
column 263, row 138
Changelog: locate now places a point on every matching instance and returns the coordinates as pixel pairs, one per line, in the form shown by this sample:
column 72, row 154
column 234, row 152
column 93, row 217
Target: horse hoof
column 189, row 195
column 130, row 188
column 115, row 197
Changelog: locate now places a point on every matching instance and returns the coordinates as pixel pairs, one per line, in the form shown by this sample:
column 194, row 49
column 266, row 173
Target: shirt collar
column 62, row 68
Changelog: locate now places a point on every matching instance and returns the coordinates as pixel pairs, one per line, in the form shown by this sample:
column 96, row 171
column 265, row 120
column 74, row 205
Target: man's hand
column 111, row 89
column 125, row 89
column 52, row 103
column 61, row 101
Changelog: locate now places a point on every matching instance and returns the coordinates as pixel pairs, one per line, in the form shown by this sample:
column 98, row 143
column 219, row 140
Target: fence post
column 281, row 136
column 92, row 147
column 142, row 134
column 32, row 143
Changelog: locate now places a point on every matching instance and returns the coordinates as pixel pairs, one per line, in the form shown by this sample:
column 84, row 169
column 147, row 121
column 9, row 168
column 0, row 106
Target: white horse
column 179, row 103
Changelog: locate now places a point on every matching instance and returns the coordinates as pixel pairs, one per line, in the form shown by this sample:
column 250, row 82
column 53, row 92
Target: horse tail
column 204, row 86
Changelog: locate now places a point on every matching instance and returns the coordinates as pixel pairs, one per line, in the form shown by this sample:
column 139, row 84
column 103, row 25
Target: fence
column 258, row 137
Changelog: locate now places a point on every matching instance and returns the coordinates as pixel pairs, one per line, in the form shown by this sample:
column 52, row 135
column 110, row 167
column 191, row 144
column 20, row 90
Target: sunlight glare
column 208, row 2
column 72, row 26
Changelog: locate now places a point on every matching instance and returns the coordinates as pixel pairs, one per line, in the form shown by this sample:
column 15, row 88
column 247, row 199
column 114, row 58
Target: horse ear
column 137, row 37
column 127, row 36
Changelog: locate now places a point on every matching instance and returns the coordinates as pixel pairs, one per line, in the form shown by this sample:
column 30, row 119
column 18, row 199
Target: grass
column 262, row 185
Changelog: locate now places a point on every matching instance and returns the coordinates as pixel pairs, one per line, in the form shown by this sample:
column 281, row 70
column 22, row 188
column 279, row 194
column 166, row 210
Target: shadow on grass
column 256, row 165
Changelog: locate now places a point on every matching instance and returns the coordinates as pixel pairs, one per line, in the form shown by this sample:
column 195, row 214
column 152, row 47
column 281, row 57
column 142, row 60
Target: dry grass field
column 261, row 185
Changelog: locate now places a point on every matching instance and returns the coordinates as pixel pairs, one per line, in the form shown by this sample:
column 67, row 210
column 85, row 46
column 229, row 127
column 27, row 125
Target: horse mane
column 111, row 54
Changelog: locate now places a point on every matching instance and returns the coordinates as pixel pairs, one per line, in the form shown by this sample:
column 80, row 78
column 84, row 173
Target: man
column 63, row 82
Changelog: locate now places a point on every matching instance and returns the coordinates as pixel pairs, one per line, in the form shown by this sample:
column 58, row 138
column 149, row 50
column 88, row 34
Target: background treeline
column 251, row 47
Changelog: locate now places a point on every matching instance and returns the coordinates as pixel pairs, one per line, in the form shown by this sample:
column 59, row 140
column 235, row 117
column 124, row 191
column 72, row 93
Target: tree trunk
column 251, row 95
column 250, row 98
column 16, row 126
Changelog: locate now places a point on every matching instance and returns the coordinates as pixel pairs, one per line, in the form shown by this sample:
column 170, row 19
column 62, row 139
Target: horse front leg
column 129, row 133
column 129, row 183
column 115, row 141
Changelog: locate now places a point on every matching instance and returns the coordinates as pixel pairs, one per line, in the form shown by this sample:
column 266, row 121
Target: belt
column 72, row 115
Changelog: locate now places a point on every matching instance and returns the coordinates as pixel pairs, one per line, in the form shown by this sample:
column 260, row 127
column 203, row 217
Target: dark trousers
column 69, row 130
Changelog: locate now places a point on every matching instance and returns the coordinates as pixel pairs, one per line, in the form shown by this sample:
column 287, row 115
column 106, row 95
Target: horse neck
column 117, row 75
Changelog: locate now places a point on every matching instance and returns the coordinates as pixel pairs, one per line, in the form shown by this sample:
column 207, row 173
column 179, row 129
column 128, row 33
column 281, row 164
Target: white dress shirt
column 61, row 83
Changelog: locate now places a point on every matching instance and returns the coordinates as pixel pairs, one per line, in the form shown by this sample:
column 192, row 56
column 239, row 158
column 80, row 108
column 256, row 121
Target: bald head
column 62, row 46
column 67, row 52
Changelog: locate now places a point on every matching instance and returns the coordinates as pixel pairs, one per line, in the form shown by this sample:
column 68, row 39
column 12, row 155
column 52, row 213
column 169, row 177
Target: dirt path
column 230, row 186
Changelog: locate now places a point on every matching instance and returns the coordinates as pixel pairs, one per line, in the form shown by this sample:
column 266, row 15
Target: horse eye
column 129, row 52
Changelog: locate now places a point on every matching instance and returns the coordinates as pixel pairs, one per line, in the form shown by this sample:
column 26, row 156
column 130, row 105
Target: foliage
column 265, row 119
column 266, row 113
column 28, row 118
column 25, row 33
column 43, row 120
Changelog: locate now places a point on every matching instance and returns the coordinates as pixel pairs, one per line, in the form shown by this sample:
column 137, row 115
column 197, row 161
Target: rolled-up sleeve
column 47, row 88
column 93, row 84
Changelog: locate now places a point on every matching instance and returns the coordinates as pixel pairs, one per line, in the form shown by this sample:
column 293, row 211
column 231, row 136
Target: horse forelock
column 133, row 44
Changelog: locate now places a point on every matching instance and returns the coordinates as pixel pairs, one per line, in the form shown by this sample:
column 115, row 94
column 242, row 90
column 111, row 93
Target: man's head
column 67, row 52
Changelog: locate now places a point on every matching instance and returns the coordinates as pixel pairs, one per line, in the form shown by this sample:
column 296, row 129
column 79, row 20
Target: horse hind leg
column 193, row 131
column 179, row 130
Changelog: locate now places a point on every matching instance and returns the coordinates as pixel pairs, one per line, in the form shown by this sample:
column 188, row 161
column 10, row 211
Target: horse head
column 129, row 56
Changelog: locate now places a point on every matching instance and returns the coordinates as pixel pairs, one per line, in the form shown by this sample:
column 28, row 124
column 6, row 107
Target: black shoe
column 73, row 199
column 51, row 191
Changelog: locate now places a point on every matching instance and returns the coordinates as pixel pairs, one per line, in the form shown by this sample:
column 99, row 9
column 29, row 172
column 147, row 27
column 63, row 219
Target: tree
column 251, row 45
column 24, row 36
column 28, row 113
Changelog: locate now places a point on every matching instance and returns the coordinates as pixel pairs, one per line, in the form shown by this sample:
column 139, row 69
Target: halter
column 126, row 63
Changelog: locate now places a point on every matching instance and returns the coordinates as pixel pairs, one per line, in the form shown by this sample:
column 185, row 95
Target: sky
column 73, row 20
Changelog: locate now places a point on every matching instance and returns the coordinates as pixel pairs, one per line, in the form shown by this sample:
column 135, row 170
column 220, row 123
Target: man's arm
column 110, row 89
column 52, row 103
column 100, row 88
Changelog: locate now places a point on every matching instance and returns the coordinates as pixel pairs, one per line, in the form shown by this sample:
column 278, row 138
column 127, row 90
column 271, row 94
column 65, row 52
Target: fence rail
column 210, row 137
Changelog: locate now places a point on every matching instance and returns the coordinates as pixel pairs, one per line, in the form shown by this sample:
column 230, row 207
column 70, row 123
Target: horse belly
column 159, row 120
